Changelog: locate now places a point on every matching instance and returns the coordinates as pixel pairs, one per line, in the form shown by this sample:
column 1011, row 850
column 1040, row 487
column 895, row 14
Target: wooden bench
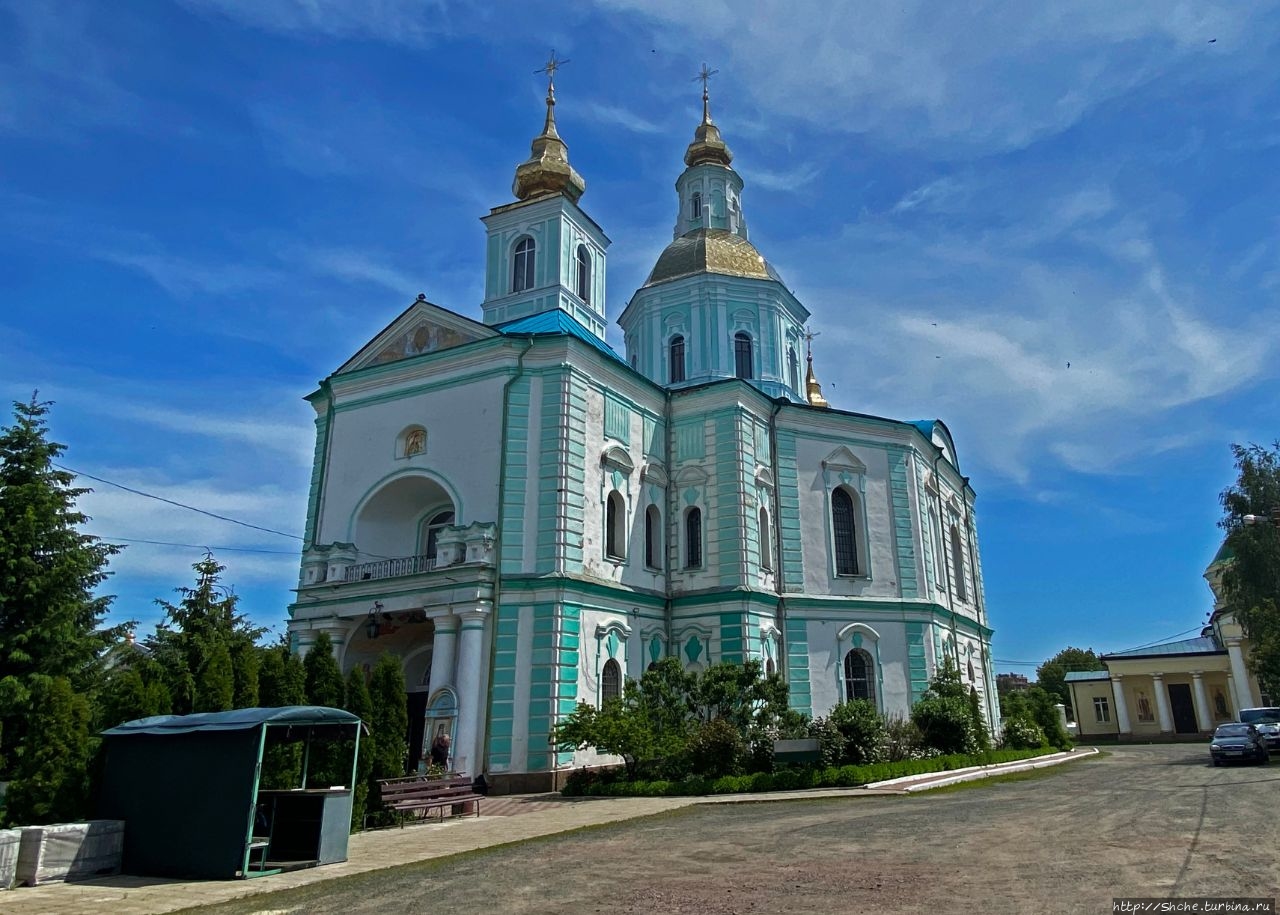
column 417, row 793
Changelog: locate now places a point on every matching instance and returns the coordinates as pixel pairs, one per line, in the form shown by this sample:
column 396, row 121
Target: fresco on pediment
column 422, row 338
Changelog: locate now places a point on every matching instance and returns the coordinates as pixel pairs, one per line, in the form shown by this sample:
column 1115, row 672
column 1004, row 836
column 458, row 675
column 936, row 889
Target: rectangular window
column 1101, row 709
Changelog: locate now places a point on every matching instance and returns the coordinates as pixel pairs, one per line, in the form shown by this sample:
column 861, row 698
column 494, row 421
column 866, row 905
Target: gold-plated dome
column 711, row 251
column 547, row 170
column 813, row 390
column 707, row 145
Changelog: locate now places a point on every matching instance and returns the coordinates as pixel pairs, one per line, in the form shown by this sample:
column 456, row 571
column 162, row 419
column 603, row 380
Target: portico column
column 1240, row 674
column 1231, row 691
column 443, row 648
column 466, row 756
column 1122, row 710
column 1203, row 721
column 1162, row 704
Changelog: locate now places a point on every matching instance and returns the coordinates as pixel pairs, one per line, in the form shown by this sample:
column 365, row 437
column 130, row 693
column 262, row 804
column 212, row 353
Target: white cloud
column 618, row 116
column 786, row 180
column 402, row 22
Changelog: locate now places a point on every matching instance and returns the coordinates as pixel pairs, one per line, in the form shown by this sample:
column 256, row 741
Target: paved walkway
column 504, row 820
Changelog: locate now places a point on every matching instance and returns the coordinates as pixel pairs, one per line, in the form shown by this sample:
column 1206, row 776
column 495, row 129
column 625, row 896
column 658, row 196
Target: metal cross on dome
column 808, row 339
column 704, row 76
column 553, row 64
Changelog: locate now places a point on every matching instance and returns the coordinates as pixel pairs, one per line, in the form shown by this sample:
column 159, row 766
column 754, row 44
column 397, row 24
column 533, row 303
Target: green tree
column 245, row 661
column 282, row 680
column 199, row 639
column 215, row 683
column 51, row 780
column 1051, row 676
column 943, row 715
column 981, row 739
column 134, row 688
column 50, row 618
column 1251, row 577
column 360, row 704
column 324, row 684
column 390, row 713
column 861, row 729
column 1036, row 708
column 619, row 727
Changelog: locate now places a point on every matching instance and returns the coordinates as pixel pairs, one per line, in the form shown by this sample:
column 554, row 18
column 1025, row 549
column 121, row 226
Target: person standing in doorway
column 440, row 748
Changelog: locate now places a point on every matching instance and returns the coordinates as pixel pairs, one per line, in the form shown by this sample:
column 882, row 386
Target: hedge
column 790, row 779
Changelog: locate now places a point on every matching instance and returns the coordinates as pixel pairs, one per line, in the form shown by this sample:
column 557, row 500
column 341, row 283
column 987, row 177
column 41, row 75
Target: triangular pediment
column 422, row 328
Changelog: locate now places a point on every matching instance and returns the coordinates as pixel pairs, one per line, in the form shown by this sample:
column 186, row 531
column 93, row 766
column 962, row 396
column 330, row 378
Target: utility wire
column 196, row 546
column 139, row 492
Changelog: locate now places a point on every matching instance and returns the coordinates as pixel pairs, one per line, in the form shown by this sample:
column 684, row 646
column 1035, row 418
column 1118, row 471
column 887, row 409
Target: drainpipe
column 783, row 666
column 497, row 576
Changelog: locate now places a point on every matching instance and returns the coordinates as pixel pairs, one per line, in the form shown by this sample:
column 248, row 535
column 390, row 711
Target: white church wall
column 886, row 642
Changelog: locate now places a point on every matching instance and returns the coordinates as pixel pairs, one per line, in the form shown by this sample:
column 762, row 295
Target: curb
column 912, row 783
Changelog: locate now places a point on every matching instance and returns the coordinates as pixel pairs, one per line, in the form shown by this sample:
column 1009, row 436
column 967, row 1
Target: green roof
column 235, row 720
column 1201, row 645
column 1224, row 555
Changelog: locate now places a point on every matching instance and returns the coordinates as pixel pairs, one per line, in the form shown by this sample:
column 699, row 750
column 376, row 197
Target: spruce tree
column 390, row 714
column 50, row 618
column 324, row 676
column 205, row 627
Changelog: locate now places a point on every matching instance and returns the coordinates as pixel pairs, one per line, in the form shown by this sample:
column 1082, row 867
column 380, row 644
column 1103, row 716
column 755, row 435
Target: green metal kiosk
column 190, row 790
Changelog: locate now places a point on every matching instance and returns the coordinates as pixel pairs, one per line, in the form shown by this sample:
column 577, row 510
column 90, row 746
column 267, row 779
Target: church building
column 527, row 518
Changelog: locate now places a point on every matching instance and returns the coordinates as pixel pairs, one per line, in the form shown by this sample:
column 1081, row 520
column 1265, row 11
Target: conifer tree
column 215, row 686
column 358, row 703
column 282, row 680
column 390, row 713
column 134, row 688
column 51, row 780
column 324, row 676
column 50, row 618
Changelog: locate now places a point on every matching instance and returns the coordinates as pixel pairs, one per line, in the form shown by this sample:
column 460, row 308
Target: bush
column 945, row 724
column 1022, row 733
column 717, row 749
column 901, row 740
column 862, row 729
column 830, row 740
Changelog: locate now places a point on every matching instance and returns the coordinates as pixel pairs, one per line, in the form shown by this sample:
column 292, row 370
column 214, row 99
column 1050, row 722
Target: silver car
column 1267, row 721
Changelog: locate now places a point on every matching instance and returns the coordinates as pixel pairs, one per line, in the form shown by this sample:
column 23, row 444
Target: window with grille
column 653, row 537
column 766, row 562
column 611, row 681
column 846, row 533
column 584, row 273
column 693, row 539
column 435, row 524
column 676, row 348
column 859, row 672
column 696, row 206
column 615, row 526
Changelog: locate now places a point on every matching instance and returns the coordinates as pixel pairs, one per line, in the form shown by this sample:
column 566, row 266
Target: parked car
column 1267, row 721
column 1237, row 742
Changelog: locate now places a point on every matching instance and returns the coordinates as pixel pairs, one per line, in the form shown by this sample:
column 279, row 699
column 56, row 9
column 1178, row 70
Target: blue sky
column 208, row 205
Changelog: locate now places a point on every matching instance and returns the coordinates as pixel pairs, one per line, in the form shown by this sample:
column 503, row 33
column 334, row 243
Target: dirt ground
column 1153, row 821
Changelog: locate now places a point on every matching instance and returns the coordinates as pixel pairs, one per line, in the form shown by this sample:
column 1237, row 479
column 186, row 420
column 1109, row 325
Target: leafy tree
column 1052, row 674
column 943, row 714
column 324, row 684
column 50, row 619
column 717, row 748
column 198, row 640
column 358, row 703
column 390, row 714
column 51, row 780
column 619, row 727
column 1251, row 579
column 1037, row 708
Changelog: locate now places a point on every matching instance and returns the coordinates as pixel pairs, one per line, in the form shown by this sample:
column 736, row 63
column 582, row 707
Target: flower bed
column 610, row 784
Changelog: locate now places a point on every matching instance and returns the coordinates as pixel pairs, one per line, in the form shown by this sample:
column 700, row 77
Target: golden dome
column 707, row 145
column 547, row 170
column 711, row 251
column 813, row 390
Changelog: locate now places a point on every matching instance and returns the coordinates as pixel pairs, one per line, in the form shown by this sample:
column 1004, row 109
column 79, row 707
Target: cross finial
column 808, row 339
column 553, row 64
column 704, row 77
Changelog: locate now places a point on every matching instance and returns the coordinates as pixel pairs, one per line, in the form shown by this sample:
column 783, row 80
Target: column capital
column 1116, row 678
column 1158, row 675
column 472, row 614
column 443, row 620
column 1197, row 674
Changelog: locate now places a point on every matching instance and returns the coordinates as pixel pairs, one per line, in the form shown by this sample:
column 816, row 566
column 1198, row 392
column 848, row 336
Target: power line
column 1167, row 638
column 197, row 546
column 139, row 492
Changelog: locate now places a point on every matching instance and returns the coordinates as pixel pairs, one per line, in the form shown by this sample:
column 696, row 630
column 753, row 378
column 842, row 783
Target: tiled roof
column 1201, row 645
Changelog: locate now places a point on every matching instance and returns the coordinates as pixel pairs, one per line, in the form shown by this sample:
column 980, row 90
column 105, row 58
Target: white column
column 1162, row 704
column 1231, row 692
column 443, row 649
column 471, row 704
column 1243, row 695
column 1122, row 709
column 1203, row 719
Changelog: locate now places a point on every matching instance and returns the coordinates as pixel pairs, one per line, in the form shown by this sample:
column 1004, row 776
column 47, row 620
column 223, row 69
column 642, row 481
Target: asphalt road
column 1148, row 821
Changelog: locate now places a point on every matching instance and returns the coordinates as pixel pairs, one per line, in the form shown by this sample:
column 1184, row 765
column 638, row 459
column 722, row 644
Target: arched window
column 676, row 349
column 653, row 537
column 696, row 205
column 522, row 265
column 615, row 526
column 693, row 539
column 793, row 368
column 859, row 676
column 765, row 553
column 742, row 362
column 584, row 273
column 770, row 667
column 935, row 530
column 610, row 681
column 844, row 526
column 435, row 524
column 957, row 562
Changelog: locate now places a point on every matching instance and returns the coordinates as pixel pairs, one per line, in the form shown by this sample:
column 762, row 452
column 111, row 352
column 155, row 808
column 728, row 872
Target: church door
column 1184, row 713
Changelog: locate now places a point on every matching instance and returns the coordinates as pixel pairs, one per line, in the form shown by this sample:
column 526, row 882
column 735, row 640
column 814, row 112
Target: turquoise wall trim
column 502, row 710
column 542, row 689
column 515, row 486
column 798, row 665
column 725, row 541
column 655, row 443
column 788, row 520
column 924, row 502
column 733, row 638
column 617, row 419
column 317, row 474
column 900, row 501
column 917, row 665
column 691, row 440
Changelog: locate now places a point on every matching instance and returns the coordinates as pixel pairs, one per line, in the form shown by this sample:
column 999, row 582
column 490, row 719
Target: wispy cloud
column 617, row 116
column 791, row 179
column 403, row 22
